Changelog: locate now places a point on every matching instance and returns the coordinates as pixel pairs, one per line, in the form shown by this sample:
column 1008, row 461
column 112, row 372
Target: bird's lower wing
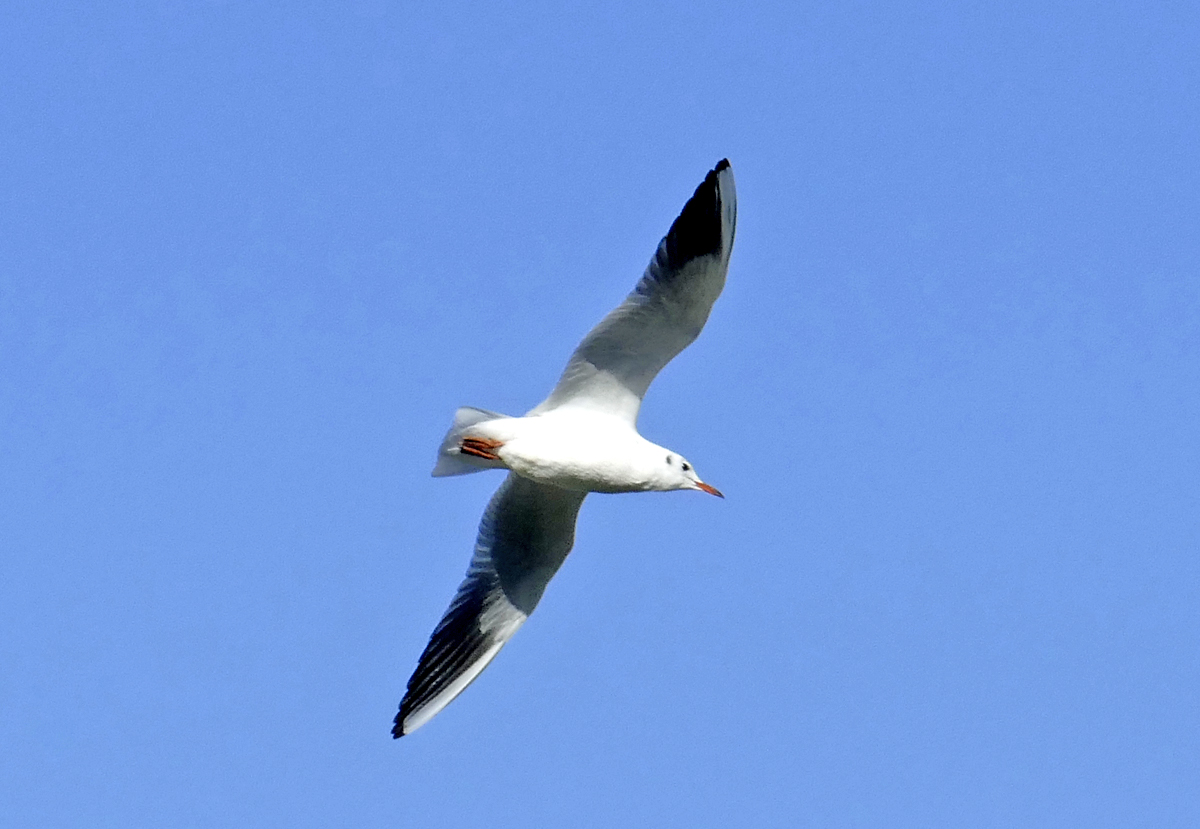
column 526, row 533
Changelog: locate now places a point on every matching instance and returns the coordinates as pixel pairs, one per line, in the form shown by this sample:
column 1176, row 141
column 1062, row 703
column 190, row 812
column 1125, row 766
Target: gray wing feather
column 526, row 533
column 616, row 362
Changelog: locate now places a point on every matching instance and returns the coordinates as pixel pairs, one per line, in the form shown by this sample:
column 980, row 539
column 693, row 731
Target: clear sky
column 253, row 255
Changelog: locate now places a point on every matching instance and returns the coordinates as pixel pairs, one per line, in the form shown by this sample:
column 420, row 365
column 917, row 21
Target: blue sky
column 252, row 256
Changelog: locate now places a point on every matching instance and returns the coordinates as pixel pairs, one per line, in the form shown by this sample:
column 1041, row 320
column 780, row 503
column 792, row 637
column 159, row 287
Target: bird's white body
column 580, row 449
column 582, row 438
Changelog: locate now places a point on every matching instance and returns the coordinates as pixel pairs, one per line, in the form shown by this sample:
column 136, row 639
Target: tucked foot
column 481, row 448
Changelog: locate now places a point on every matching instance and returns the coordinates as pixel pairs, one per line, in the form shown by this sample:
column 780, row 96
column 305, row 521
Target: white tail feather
column 451, row 460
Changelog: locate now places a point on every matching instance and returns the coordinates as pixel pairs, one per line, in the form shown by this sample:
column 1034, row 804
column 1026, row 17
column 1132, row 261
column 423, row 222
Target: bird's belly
column 570, row 464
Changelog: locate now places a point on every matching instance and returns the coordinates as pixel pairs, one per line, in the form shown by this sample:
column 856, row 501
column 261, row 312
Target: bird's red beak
column 711, row 490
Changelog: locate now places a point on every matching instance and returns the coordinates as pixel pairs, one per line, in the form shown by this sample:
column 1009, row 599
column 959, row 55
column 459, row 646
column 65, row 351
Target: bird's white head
column 675, row 472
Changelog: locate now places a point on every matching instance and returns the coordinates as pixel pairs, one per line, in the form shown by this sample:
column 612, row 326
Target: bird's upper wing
column 616, row 362
column 526, row 533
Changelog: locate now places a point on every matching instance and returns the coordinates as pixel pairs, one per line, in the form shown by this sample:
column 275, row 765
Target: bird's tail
column 451, row 460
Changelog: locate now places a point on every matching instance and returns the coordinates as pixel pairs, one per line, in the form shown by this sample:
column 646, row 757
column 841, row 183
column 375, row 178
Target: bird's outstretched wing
column 526, row 533
column 616, row 362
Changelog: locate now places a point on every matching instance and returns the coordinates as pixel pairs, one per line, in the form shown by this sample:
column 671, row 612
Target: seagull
column 582, row 438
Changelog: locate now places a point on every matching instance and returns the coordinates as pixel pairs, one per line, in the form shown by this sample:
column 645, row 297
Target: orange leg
column 481, row 448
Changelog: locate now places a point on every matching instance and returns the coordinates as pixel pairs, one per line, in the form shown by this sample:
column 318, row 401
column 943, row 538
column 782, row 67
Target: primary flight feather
column 582, row 438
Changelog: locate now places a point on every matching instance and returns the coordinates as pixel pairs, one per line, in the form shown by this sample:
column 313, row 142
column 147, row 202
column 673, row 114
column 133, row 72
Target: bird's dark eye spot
column 687, row 468
column 670, row 460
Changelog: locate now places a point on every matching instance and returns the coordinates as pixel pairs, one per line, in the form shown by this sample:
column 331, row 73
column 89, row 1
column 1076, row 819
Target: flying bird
column 582, row 438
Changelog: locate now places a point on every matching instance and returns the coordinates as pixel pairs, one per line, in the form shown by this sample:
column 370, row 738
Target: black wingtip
column 398, row 728
column 697, row 231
